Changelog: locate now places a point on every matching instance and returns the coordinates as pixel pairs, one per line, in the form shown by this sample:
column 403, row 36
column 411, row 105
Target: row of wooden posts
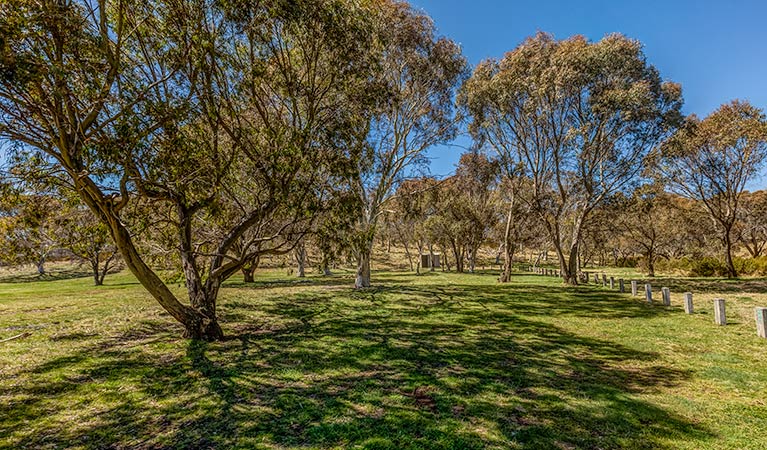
column 720, row 317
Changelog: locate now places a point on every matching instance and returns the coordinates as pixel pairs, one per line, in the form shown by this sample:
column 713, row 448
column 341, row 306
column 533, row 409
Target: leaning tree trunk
column 407, row 253
column 197, row 324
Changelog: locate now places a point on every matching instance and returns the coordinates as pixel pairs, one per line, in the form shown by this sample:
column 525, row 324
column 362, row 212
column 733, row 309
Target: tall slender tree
column 418, row 78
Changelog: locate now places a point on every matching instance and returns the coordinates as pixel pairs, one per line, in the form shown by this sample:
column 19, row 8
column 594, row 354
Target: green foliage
column 708, row 266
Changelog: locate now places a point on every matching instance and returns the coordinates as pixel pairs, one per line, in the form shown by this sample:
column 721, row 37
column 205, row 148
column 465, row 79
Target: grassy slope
column 437, row 361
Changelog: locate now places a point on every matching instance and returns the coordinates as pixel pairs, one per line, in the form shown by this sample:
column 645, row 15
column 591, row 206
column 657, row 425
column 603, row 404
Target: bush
column 712, row 267
column 707, row 267
column 681, row 266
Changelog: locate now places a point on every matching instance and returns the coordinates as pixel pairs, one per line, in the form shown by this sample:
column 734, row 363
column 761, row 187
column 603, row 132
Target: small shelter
column 431, row 261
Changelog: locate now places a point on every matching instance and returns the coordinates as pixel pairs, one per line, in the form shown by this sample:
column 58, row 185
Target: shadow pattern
column 457, row 366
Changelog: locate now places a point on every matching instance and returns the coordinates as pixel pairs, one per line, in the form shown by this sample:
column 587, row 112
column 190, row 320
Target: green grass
column 440, row 361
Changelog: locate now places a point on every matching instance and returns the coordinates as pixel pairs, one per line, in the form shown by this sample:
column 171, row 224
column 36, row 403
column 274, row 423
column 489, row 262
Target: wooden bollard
column 719, row 315
column 688, row 303
column 621, row 286
column 666, row 296
column 604, row 280
column 761, row 322
column 648, row 292
column 634, row 288
column 612, row 282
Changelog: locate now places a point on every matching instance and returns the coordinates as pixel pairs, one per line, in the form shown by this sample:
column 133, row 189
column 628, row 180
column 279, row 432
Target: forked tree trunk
column 248, row 274
column 249, row 270
column 197, row 323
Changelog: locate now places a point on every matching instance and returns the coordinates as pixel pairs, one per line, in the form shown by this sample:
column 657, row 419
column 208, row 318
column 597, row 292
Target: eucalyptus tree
column 517, row 224
column 712, row 160
column 418, row 75
column 477, row 178
column 233, row 121
column 649, row 223
column 750, row 228
column 87, row 238
column 579, row 117
column 29, row 229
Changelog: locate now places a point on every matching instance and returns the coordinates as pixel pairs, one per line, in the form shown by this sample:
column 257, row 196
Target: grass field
column 439, row 361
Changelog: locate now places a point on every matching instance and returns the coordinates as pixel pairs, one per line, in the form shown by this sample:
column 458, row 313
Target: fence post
column 612, row 282
column 634, row 288
column 648, row 292
column 761, row 322
column 621, row 286
column 666, row 296
column 688, row 308
column 719, row 315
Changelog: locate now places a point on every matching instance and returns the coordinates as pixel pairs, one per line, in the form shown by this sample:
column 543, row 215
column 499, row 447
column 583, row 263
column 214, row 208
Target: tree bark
column 407, row 253
column 247, row 274
column 301, row 259
column 731, row 272
column 249, row 269
column 98, row 280
column 362, row 279
column 507, row 249
column 40, row 264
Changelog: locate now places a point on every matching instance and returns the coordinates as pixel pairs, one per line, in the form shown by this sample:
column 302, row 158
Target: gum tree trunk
column 301, row 259
column 508, row 250
column 731, row 272
column 362, row 280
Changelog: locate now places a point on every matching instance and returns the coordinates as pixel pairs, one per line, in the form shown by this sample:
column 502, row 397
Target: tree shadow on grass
column 69, row 273
column 409, row 367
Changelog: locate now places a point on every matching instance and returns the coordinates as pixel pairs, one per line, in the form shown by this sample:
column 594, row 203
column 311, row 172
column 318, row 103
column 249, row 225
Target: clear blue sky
column 717, row 50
